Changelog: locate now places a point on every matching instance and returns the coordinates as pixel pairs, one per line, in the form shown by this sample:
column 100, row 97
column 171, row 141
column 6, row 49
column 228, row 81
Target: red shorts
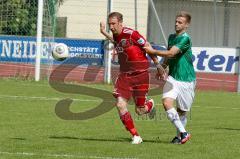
column 134, row 85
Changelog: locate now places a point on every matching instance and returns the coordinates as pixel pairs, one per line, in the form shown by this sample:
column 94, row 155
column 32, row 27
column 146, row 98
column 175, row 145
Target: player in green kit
column 181, row 81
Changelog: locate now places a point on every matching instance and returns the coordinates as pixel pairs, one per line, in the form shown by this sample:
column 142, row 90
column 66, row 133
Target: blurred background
column 215, row 32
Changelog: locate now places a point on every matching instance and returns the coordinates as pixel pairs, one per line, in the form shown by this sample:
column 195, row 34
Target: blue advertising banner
column 91, row 52
column 23, row 49
column 213, row 60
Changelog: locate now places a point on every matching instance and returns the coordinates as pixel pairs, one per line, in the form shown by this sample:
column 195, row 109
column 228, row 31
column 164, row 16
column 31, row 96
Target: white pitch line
column 94, row 100
column 60, row 155
column 46, row 98
column 209, row 107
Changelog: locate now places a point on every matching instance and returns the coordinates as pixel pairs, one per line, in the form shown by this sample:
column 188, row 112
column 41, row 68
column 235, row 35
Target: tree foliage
column 19, row 17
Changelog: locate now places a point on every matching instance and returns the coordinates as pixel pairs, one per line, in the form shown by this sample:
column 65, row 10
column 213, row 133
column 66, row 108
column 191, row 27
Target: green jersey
column 181, row 66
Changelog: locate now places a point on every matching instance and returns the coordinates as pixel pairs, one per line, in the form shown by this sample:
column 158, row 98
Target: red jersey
column 131, row 55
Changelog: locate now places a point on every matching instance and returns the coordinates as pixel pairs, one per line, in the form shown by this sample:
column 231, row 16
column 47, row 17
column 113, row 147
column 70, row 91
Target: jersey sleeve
column 138, row 38
column 183, row 44
column 169, row 40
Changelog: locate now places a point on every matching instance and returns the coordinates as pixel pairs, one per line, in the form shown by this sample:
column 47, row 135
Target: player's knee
column 121, row 106
column 166, row 104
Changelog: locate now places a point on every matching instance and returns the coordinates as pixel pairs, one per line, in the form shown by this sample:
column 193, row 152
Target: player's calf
column 140, row 110
column 121, row 105
column 147, row 108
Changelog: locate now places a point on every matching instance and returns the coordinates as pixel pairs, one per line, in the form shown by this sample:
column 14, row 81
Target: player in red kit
column 133, row 79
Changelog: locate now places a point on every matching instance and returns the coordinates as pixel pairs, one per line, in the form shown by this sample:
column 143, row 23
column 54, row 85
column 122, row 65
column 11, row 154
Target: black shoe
column 176, row 140
column 185, row 136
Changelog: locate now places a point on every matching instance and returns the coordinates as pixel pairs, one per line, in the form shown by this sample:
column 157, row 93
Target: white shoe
column 137, row 140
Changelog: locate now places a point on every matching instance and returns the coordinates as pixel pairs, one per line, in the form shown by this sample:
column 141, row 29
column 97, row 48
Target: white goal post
column 39, row 40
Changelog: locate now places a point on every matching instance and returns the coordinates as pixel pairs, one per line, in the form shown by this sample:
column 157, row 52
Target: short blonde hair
column 116, row 14
column 185, row 15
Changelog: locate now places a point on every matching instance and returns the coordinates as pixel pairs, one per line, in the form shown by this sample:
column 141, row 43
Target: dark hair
column 116, row 14
column 185, row 15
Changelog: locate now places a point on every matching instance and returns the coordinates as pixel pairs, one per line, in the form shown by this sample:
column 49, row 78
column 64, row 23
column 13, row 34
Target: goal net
column 18, row 29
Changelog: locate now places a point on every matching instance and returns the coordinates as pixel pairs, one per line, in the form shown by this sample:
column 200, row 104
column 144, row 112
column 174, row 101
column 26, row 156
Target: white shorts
column 182, row 92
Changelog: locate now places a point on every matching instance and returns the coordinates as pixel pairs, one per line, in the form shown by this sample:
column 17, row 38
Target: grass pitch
column 30, row 129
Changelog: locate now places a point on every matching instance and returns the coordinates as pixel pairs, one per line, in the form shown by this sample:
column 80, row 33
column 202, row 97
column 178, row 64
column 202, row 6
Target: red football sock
column 148, row 106
column 128, row 123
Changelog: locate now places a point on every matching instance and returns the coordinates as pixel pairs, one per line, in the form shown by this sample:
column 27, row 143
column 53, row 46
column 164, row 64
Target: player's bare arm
column 161, row 73
column 165, row 62
column 104, row 32
column 168, row 53
column 153, row 57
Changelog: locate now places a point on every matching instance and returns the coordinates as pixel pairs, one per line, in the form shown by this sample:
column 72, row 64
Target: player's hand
column 162, row 72
column 102, row 27
column 149, row 49
column 158, row 76
column 105, row 33
column 161, row 76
